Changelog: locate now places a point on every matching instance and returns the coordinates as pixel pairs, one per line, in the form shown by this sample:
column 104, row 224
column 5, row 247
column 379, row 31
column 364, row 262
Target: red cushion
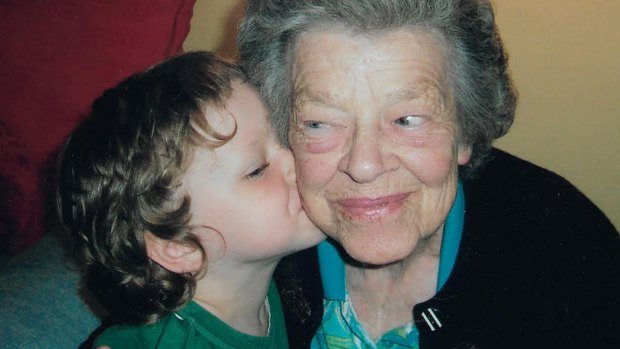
column 56, row 57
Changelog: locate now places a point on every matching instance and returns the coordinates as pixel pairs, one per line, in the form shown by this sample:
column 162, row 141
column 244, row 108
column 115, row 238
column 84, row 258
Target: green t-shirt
column 195, row 327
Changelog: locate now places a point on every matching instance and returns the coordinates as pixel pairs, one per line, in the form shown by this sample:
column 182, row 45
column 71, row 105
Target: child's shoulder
column 145, row 336
column 194, row 327
column 130, row 336
column 190, row 327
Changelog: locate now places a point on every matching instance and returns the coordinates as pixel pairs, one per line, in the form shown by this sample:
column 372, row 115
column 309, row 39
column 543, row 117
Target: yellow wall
column 564, row 58
column 214, row 26
column 565, row 62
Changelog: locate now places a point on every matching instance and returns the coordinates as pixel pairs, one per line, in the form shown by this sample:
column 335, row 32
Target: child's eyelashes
column 257, row 173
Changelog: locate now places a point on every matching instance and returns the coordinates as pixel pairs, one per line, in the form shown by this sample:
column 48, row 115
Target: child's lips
column 367, row 209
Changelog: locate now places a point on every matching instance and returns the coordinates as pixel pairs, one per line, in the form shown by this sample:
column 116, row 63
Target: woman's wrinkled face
column 375, row 139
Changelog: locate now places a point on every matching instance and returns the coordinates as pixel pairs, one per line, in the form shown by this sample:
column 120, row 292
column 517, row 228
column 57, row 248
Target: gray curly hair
column 477, row 63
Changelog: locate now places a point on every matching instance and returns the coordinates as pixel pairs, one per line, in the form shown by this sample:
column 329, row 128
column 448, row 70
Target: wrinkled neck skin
column 236, row 294
column 384, row 296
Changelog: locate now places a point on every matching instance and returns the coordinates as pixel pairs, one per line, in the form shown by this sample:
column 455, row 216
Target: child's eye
column 258, row 172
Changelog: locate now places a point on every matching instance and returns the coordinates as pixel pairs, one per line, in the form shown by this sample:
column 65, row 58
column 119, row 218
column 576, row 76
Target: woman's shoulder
column 301, row 293
column 517, row 185
column 506, row 172
column 542, row 252
column 515, row 208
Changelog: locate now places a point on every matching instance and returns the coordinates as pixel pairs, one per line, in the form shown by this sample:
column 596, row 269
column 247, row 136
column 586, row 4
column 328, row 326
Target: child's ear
column 212, row 242
column 171, row 255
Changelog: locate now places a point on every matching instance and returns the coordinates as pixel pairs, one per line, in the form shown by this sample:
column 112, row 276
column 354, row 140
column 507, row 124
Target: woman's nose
column 366, row 160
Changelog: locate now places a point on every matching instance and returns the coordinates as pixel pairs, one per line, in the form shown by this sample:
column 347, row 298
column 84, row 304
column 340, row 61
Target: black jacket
column 538, row 267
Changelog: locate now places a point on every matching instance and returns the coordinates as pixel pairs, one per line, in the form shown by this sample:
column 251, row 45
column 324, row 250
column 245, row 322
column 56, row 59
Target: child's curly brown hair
column 119, row 176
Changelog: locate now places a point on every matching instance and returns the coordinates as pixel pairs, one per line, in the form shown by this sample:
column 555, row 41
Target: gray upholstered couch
column 42, row 304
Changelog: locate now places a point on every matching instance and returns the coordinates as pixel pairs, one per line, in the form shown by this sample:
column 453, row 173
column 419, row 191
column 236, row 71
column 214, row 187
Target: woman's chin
column 378, row 254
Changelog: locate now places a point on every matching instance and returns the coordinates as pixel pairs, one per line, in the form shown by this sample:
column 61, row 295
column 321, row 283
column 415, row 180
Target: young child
column 181, row 203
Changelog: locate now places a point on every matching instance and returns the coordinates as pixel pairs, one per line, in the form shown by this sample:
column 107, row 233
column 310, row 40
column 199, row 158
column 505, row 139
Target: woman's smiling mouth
column 370, row 209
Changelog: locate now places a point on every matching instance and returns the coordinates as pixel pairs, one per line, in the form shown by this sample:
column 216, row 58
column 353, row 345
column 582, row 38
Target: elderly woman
column 437, row 239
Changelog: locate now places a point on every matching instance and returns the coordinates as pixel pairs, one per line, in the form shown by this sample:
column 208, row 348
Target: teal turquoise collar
column 332, row 266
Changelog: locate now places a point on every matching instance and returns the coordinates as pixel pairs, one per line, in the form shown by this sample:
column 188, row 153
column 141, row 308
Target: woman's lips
column 368, row 209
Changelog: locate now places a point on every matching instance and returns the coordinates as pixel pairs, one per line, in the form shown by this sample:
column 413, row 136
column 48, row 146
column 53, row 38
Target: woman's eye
column 314, row 124
column 409, row 120
column 257, row 172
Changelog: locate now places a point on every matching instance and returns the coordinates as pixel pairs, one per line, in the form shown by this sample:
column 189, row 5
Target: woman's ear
column 464, row 154
column 173, row 256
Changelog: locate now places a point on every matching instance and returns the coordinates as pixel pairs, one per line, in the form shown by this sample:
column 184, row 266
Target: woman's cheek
column 439, row 167
column 317, row 156
column 421, row 137
column 430, row 154
column 314, row 176
column 310, row 173
column 323, row 142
